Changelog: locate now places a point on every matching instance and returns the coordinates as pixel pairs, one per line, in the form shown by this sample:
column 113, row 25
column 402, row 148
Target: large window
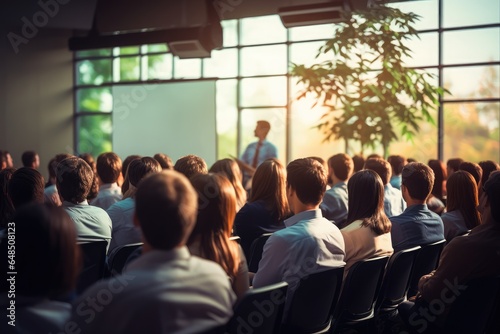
column 459, row 42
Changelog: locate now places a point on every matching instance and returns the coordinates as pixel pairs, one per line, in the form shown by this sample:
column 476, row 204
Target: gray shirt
column 91, row 222
column 334, row 205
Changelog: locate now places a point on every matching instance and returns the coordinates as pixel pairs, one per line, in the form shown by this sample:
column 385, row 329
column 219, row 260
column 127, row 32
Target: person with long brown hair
column 214, row 225
column 436, row 201
column 230, row 169
column 462, row 214
column 267, row 208
column 367, row 233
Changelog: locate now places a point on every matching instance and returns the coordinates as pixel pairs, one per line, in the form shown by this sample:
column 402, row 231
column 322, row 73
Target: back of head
column 190, row 165
column 381, row 167
column 342, row 166
column 28, row 159
column 166, row 208
column 308, row 178
column 127, row 162
column 109, row 167
column 25, row 186
column 230, row 169
column 164, row 161
column 6, row 208
column 474, row 169
column 454, row 164
column 488, row 166
column 358, row 161
column 463, row 196
column 74, row 179
column 90, row 160
column 418, row 178
column 366, row 201
column 492, row 190
column 140, row 168
column 440, row 176
column 264, row 125
column 397, row 163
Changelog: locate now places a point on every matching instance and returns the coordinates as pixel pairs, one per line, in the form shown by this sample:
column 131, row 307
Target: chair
column 426, row 261
column 94, row 263
column 313, row 301
column 396, row 280
column 119, row 256
column 259, row 311
column 256, row 252
column 359, row 294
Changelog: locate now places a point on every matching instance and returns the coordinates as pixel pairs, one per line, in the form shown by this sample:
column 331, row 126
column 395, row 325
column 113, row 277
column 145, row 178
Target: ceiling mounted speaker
column 310, row 14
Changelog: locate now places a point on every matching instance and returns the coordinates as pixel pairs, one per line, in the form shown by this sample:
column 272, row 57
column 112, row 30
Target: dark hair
column 125, row 165
column 440, row 176
column 94, row 189
column 28, row 158
column 397, row 163
column 6, row 207
column 166, row 207
column 463, row 196
column 474, row 169
column 366, row 201
column 3, row 160
column 454, row 163
column 140, row 168
column 269, row 186
column 381, row 167
column 308, row 178
column 47, row 255
column 51, row 167
column 164, row 161
column 230, row 169
column 109, row 167
column 487, row 166
column 418, row 178
column 190, row 165
column 25, row 186
column 359, row 161
column 74, row 179
column 342, row 165
column 492, row 189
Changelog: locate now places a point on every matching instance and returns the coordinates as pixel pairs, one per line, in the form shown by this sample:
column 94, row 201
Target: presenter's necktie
column 256, row 156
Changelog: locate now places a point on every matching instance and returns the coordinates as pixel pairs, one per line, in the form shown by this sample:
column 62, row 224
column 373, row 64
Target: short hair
column 28, row 158
column 55, row 161
column 492, row 190
column 166, row 208
column 474, row 169
column 359, row 161
column 190, row 165
column 264, row 124
column 109, row 167
column 488, row 166
column 342, row 165
column 418, row 178
column 25, row 186
column 454, row 163
column 164, row 161
column 381, row 167
column 74, row 179
column 89, row 159
column 140, row 168
column 308, row 178
column 397, row 163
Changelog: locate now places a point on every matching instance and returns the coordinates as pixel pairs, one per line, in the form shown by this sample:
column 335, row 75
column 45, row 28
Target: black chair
column 359, row 294
column 256, row 252
column 396, row 280
column 313, row 301
column 426, row 261
column 94, row 263
column 118, row 257
column 259, row 310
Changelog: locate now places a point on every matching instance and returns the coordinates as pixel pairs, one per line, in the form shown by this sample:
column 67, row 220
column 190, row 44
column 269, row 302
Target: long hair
column 230, row 169
column 440, row 175
column 269, row 186
column 463, row 196
column 366, row 201
column 214, row 223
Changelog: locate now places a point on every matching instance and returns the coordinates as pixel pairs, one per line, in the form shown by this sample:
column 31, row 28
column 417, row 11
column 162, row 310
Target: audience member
column 393, row 199
column 437, row 199
column 125, row 164
column 191, row 165
column 309, row 243
column 3, row 160
column 334, row 204
column 164, row 161
column 109, row 168
column 267, row 207
column 214, row 224
column 325, row 165
column 8, row 159
column 26, row 186
column 397, row 163
column 487, row 167
column 94, row 190
column 50, row 193
column 474, row 169
column 453, row 165
column 230, row 169
column 358, row 161
column 52, row 173
column 6, row 207
column 30, row 159
column 462, row 202
column 165, row 290
column 417, row 225
column 367, row 233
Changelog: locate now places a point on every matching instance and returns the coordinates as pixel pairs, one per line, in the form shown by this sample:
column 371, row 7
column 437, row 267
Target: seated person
column 26, row 186
column 190, row 165
column 109, row 168
column 230, row 169
column 30, row 159
column 50, row 192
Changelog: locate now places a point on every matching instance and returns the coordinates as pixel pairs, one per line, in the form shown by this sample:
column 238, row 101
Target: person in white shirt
column 109, row 169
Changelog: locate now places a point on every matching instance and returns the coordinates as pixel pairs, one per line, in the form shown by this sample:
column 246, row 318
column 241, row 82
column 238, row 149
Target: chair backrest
column 94, row 263
column 425, row 262
column 313, row 301
column 259, row 310
column 119, row 256
column 396, row 279
column 256, row 252
column 360, row 291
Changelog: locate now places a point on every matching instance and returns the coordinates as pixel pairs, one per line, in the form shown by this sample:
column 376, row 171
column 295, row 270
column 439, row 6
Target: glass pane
column 262, row 30
column 428, row 11
column 222, row 64
column 277, row 135
column 94, row 99
column 126, row 50
column 472, row 82
column 126, row 69
column 93, row 53
column 466, row 12
column 424, row 51
column 151, row 48
column 93, row 72
column 262, row 60
column 476, row 124
column 227, row 118
column 94, row 134
column 229, row 32
column 263, row 91
column 187, row 68
column 305, row 53
column 157, row 67
column 469, row 46
column 306, row 33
